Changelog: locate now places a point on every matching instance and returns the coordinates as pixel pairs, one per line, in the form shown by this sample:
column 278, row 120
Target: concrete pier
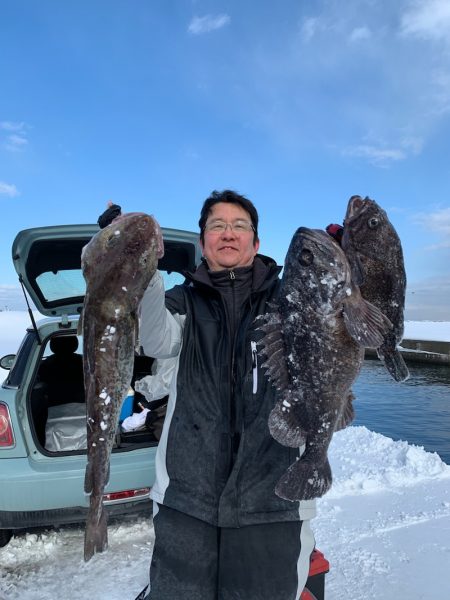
column 424, row 351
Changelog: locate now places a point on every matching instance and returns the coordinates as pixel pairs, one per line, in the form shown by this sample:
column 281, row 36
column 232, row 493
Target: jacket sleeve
column 157, row 385
column 160, row 330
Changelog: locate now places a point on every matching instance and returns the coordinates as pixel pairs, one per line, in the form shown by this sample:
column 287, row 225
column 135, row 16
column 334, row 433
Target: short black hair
column 231, row 197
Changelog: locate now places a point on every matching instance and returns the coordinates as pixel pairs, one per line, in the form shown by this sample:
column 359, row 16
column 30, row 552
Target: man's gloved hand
column 113, row 211
column 336, row 231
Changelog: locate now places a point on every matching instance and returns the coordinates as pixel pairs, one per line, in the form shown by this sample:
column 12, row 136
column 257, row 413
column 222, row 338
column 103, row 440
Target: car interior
column 57, row 400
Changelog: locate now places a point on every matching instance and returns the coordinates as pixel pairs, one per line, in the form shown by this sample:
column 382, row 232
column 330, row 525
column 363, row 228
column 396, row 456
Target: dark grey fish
column 314, row 346
column 375, row 254
column 117, row 264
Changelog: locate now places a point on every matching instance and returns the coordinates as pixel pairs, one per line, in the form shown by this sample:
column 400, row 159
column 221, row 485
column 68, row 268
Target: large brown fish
column 375, row 255
column 314, row 347
column 117, row 264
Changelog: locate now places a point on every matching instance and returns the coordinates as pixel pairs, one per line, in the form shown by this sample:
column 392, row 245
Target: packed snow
column 437, row 331
column 384, row 526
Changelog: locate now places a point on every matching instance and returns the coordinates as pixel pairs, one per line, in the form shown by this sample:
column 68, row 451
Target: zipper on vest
column 234, row 433
column 254, row 366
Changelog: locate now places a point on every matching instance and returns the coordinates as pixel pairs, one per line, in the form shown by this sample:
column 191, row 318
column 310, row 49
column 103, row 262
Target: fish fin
column 304, row 480
column 284, row 424
column 356, row 268
column 273, row 349
column 394, row 363
column 348, row 413
column 95, row 535
column 364, row 321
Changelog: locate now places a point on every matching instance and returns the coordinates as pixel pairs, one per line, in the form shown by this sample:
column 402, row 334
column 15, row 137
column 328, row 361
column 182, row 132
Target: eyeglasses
column 239, row 226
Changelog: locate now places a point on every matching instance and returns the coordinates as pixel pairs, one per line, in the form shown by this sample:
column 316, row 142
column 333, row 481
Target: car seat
column 62, row 371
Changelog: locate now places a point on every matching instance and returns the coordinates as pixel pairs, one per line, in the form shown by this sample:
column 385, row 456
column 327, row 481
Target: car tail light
column 6, row 432
column 126, row 495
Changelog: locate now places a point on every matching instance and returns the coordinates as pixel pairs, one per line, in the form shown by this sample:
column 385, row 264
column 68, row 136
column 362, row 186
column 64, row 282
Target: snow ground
column 384, row 526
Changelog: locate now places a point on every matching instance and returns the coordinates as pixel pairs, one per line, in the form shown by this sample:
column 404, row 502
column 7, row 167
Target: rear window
column 62, row 284
column 71, row 283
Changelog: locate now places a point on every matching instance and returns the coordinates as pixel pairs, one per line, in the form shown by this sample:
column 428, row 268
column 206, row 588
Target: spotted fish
column 117, row 265
column 313, row 349
column 375, row 254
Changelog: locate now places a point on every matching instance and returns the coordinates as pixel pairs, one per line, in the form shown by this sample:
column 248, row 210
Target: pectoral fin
column 273, row 350
column 364, row 321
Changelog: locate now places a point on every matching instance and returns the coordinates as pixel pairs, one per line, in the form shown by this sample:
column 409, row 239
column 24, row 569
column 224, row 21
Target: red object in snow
column 315, row 585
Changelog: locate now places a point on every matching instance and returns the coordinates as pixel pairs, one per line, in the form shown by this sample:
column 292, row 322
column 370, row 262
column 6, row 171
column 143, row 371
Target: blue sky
column 296, row 104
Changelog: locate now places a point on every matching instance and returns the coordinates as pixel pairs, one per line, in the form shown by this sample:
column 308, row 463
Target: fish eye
column 306, row 257
column 373, row 222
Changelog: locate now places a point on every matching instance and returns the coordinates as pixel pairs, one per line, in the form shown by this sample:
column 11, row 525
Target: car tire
column 5, row 536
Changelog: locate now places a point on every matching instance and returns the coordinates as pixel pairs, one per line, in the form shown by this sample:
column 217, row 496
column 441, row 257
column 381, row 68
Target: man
column 220, row 530
column 221, row 533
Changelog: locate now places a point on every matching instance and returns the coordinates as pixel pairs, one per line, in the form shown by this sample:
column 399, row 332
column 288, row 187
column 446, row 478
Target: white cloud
column 441, row 246
column 437, row 222
column 8, row 189
column 15, row 142
column 200, row 25
column 11, row 126
column 427, row 19
column 309, row 28
column 360, row 33
column 16, row 138
column 377, row 156
column 383, row 154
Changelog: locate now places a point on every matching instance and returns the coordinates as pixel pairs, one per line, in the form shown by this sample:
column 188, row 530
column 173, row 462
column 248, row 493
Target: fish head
column 367, row 233
column 123, row 253
column 316, row 270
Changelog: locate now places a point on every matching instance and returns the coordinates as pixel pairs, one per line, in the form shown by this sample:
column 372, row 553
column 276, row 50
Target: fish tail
column 394, row 363
column 304, row 480
column 284, row 426
column 96, row 532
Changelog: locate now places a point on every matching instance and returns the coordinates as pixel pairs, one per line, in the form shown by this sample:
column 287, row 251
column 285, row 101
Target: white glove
column 136, row 421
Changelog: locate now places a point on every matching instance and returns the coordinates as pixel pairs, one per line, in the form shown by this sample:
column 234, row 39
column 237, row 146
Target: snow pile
column 368, row 461
column 437, row 331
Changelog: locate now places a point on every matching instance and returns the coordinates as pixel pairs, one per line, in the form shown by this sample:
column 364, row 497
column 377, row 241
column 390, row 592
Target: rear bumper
column 66, row 516
column 55, row 485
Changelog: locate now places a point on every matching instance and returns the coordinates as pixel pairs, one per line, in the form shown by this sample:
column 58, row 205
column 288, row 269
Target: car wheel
column 5, row 536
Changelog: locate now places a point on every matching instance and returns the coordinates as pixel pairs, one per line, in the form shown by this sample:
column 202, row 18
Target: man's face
column 228, row 249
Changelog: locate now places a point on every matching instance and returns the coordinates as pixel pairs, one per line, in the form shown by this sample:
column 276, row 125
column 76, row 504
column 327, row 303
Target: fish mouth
column 356, row 206
column 318, row 236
